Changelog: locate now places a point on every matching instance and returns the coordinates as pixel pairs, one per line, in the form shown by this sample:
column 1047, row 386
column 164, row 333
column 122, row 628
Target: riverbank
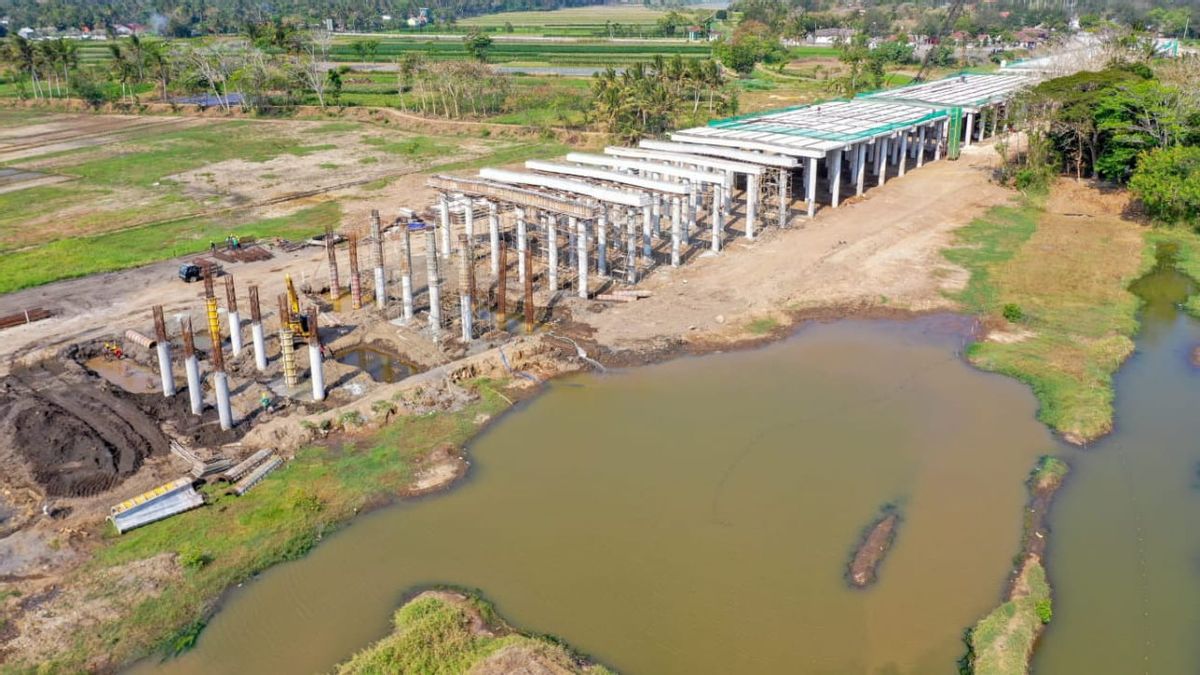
column 1050, row 278
column 454, row 632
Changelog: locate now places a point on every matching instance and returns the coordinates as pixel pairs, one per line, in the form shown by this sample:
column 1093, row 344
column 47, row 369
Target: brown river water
column 697, row 517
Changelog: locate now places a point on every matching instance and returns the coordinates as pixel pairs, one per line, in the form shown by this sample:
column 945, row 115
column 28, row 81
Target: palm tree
column 22, row 53
column 158, row 58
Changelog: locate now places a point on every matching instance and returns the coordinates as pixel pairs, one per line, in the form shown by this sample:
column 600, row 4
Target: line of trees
column 451, row 88
column 651, row 98
column 1128, row 124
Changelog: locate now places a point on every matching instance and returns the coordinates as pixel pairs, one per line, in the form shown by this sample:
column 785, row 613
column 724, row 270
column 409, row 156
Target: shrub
column 192, row 557
column 1167, row 181
column 1045, row 610
column 1012, row 312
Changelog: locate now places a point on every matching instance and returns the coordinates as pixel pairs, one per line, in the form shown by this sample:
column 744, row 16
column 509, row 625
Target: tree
column 477, row 45
column 752, row 43
column 1167, row 181
column 310, row 64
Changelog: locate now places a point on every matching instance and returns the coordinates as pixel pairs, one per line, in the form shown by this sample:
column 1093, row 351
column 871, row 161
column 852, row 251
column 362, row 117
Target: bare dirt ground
column 882, row 251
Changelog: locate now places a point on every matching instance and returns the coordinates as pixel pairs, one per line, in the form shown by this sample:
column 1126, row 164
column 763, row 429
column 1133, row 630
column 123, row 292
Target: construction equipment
column 297, row 321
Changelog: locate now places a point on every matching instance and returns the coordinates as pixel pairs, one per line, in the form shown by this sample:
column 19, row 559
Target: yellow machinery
column 297, row 321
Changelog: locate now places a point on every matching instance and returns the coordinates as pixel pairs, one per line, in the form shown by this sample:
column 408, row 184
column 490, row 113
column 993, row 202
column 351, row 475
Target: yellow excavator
column 297, row 321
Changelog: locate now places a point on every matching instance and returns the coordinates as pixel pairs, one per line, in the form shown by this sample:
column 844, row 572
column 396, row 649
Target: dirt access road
column 882, row 251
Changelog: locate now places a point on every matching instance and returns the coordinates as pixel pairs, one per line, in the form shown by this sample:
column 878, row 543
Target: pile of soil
column 75, row 435
column 873, row 547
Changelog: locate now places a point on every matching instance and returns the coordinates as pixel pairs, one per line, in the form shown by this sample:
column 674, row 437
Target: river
column 697, row 516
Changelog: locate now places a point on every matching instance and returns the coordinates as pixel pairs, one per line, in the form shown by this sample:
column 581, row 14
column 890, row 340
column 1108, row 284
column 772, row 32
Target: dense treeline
column 182, row 18
column 649, row 99
column 797, row 18
column 1129, row 124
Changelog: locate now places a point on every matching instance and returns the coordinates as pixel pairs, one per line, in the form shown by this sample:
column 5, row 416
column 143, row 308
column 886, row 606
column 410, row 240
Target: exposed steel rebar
column 285, row 317
column 189, row 340
column 217, row 355
column 160, row 324
column 355, row 280
column 314, row 337
column 230, row 294
column 335, row 289
column 208, row 280
column 255, row 309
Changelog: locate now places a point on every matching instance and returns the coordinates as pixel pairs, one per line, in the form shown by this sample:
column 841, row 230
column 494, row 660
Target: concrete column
column 581, row 240
column 903, row 153
column 677, row 209
column 235, row 332
column 877, row 153
column 688, row 207
column 164, row 368
column 316, row 367
column 552, row 250
column 464, row 286
column 811, row 190
column 860, row 169
column 835, row 178
column 895, row 154
column 647, row 223
column 572, row 252
column 881, row 167
column 970, row 129
column 751, row 204
column 631, row 245
column 982, row 131
column 406, row 285
column 494, row 236
column 224, row 411
column 676, row 234
column 522, row 238
column 602, row 242
column 784, row 198
column 729, row 183
column 943, row 133
column 433, row 283
column 260, row 346
column 444, row 212
column 921, row 148
column 195, row 395
column 718, row 217
column 656, row 215
column 377, row 254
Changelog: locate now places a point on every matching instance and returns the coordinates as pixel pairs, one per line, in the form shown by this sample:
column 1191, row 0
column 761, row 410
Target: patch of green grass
column 762, row 326
column 1077, row 314
column 1048, row 469
column 281, row 519
column 69, row 258
column 1003, row 640
column 417, row 146
column 434, row 634
column 1187, row 256
column 19, row 207
column 510, row 155
column 156, row 157
column 368, row 160
column 332, row 128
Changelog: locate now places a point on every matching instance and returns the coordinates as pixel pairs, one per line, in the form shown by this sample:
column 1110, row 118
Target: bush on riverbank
column 450, row 632
column 1003, row 641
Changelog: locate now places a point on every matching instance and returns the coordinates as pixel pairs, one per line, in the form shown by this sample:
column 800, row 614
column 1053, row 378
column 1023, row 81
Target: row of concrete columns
column 220, row 378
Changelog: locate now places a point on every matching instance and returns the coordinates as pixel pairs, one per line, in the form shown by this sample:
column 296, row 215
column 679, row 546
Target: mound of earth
column 73, row 435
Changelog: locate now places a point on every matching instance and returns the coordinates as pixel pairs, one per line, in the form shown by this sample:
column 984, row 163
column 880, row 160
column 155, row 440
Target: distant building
column 830, row 36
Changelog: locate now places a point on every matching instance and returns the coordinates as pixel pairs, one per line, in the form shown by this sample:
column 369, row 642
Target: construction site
column 125, row 392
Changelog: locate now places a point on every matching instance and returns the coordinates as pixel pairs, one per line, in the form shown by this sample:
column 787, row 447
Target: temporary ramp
column 162, row 502
column 255, row 477
column 812, row 131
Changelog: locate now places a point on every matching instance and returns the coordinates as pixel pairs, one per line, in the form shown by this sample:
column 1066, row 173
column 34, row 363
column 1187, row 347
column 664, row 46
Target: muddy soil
column 877, row 540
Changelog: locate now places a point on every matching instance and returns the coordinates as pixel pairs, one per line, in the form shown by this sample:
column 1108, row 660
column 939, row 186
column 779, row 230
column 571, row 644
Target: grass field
column 1065, row 320
column 162, row 194
column 570, row 16
column 529, row 53
column 281, row 519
